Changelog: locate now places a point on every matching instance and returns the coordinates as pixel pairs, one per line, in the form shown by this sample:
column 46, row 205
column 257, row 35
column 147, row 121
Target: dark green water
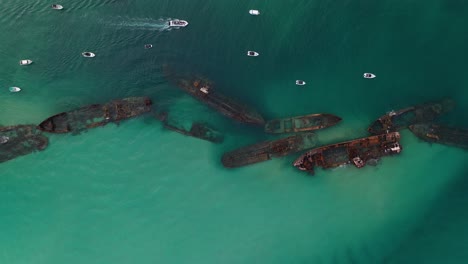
column 137, row 193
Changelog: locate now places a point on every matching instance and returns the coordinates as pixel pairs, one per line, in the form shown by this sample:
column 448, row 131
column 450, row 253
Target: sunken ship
column 202, row 89
column 20, row 140
column 396, row 120
column 301, row 123
column 358, row 152
column 441, row 134
column 266, row 150
column 96, row 115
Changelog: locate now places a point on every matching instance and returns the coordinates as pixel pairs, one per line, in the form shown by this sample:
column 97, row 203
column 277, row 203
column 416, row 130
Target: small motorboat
column 177, row 23
column 252, row 53
column 25, row 62
column 148, row 46
column 57, row 7
column 88, row 54
column 300, row 82
column 14, row 89
column 254, row 12
column 369, row 75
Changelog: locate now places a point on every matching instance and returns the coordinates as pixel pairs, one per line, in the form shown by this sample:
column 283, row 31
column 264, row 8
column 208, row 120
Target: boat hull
column 397, row 120
column 441, row 134
column 358, row 151
column 301, row 123
column 20, row 140
column 266, row 150
column 96, row 115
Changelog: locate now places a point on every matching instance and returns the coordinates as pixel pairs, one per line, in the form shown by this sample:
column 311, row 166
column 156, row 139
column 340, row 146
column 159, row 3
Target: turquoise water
column 137, row 193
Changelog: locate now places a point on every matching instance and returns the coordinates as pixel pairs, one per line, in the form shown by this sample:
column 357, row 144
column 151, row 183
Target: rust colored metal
column 20, row 140
column 357, row 152
column 203, row 89
column 441, row 134
column 397, row 120
column 96, row 115
column 301, row 123
column 266, row 150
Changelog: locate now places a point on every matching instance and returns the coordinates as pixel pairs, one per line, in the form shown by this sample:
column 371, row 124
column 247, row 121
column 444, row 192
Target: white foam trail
column 160, row 24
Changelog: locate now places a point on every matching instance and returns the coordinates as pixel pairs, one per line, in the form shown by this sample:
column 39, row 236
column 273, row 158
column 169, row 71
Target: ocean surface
column 139, row 193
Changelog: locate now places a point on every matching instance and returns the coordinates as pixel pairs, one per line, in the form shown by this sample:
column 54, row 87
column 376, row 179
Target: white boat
column 369, row 75
column 177, row 23
column 300, row 82
column 14, row 89
column 148, row 46
column 57, row 7
column 88, row 54
column 254, row 12
column 252, row 53
column 25, row 62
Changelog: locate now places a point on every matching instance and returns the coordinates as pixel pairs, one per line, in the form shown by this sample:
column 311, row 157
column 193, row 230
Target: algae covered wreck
column 20, row 140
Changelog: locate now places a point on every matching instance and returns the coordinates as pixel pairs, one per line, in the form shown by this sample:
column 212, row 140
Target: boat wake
column 161, row 24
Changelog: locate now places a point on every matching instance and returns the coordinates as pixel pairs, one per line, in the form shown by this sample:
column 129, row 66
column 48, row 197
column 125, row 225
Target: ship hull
column 441, row 134
column 96, row 115
column 20, row 140
column 357, row 151
column 397, row 120
column 202, row 89
column 266, row 150
column 301, row 123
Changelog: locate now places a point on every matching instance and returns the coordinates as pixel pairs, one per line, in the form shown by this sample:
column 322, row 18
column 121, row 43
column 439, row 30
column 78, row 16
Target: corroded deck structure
column 396, row 120
column 301, row 123
column 441, row 134
column 266, row 150
column 357, row 151
column 96, row 115
column 203, row 89
column 20, row 140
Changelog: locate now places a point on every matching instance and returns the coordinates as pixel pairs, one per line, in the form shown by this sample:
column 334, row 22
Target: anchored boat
column 301, row 123
column 96, row 115
column 57, row 7
column 252, row 53
column 357, row 152
column 441, row 134
column 266, row 150
column 14, row 89
column 25, row 62
column 396, row 120
column 20, row 140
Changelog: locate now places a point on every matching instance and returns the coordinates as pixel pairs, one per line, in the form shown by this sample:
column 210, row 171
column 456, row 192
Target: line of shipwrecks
column 384, row 139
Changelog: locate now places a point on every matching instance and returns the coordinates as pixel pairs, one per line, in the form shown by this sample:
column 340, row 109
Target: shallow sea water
column 138, row 193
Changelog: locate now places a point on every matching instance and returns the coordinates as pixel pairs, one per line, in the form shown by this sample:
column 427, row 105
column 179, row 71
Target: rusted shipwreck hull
column 202, row 89
column 96, row 115
column 198, row 130
column 441, row 134
column 396, row 120
column 301, row 123
column 20, row 140
column 358, row 152
column 266, row 150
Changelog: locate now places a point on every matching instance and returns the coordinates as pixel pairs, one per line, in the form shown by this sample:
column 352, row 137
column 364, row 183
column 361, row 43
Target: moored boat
column 25, row 62
column 441, row 134
column 254, row 12
column 20, row 140
column 88, row 54
column 301, row 123
column 14, row 89
column 368, row 75
column 357, row 152
column 96, row 115
column 300, row 82
column 252, row 53
column 57, row 7
column 397, row 120
column 266, row 150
